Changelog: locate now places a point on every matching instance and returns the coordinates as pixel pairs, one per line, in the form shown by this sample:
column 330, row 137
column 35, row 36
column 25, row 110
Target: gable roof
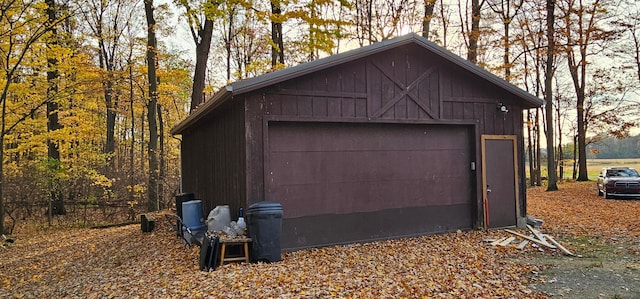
column 251, row 84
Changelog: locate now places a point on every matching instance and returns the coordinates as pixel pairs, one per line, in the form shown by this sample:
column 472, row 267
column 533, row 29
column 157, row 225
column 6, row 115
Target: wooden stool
column 234, row 241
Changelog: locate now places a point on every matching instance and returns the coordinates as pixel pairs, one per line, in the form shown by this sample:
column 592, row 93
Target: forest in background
column 91, row 88
column 613, row 148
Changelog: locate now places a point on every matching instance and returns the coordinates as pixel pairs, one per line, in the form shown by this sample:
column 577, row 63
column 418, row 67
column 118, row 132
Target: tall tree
column 200, row 20
column 23, row 24
column 376, row 21
column 108, row 20
column 228, row 38
column 584, row 30
column 277, row 39
column 474, row 34
column 444, row 18
column 507, row 10
column 548, row 95
column 152, row 108
column 250, row 47
column 56, row 204
column 428, row 15
column 635, row 33
column 630, row 22
column 363, row 20
column 533, row 43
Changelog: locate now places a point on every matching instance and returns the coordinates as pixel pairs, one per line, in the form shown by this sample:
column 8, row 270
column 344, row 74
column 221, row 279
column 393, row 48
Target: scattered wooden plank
column 496, row 242
column 530, row 239
column 537, row 233
column 522, row 244
column 566, row 251
column 507, row 241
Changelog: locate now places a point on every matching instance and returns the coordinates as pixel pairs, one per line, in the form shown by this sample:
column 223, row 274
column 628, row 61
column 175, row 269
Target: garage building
column 399, row 138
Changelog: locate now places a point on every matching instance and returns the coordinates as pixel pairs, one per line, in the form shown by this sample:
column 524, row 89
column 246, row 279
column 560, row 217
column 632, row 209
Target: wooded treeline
column 90, row 88
column 606, row 147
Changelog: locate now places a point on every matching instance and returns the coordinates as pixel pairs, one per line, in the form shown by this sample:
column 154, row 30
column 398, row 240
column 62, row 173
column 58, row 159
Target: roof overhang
column 224, row 94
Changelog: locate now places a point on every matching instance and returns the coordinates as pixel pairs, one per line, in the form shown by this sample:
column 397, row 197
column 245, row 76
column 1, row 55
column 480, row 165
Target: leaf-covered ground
column 123, row 262
column 605, row 232
column 576, row 210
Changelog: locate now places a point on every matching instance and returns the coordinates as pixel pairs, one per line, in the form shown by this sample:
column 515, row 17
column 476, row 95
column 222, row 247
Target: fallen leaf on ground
column 125, row 262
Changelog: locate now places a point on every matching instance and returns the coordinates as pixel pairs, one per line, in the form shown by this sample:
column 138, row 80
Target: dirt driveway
column 605, row 233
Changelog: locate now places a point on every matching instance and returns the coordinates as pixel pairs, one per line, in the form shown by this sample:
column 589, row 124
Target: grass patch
column 593, row 167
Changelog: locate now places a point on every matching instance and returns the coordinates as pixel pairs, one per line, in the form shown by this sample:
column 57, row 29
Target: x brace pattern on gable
column 406, row 91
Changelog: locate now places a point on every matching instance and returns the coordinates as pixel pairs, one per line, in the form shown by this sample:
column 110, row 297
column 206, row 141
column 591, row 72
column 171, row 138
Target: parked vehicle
column 618, row 182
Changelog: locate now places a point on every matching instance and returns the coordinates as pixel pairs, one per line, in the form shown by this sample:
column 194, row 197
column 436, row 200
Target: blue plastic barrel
column 192, row 214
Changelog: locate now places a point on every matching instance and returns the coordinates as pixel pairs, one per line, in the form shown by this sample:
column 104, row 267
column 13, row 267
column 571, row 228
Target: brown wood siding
column 359, row 91
column 255, row 137
column 213, row 160
column 403, row 85
column 327, row 169
column 398, row 85
column 336, row 93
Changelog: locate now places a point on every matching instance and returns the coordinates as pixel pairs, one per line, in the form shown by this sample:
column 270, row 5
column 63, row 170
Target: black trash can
column 180, row 198
column 264, row 225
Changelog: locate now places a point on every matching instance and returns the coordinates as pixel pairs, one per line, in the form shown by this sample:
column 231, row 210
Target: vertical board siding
column 213, row 160
column 321, row 170
column 289, row 105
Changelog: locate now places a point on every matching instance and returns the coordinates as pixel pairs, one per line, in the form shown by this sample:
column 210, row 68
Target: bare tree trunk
column 560, row 153
column 111, row 100
column 133, row 122
column 277, row 48
column 428, row 15
column 445, row 24
column 634, row 30
column 582, row 142
column 551, row 165
column 538, row 155
column 142, row 147
column 53, row 152
column 636, row 49
column 530, row 150
column 152, row 106
column 2, row 202
column 474, row 35
column 228, row 40
column 161, row 158
column 575, row 157
column 504, row 10
column 370, row 21
column 505, row 58
column 203, row 44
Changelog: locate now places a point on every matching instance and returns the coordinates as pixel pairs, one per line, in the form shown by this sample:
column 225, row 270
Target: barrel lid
column 265, row 205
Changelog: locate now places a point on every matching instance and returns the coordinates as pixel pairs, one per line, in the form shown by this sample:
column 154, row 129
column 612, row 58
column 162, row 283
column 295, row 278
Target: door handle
column 488, row 189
